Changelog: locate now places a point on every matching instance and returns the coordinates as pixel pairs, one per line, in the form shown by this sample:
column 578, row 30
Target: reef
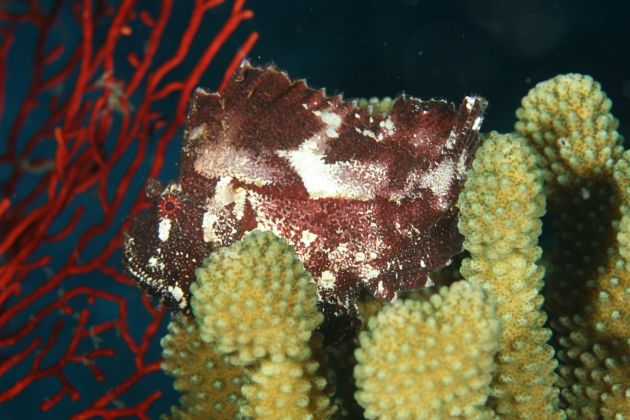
column 367, row 198
column 568, row 123
column 253, row 336
column 92, row 93
column 501, row 207
column 429, row 358
column 525, row 330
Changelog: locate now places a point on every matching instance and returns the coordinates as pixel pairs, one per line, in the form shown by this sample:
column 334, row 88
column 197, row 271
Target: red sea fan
column 367, row 199
column 105, row 89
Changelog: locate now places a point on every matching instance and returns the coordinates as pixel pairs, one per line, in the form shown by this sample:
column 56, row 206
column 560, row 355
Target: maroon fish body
column 367, row 199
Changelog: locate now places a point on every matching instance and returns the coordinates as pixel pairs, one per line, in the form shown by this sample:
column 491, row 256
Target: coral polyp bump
column 368, row 199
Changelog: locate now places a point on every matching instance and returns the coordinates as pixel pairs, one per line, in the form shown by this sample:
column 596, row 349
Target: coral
column 568, row 122
column 500, row 210
column 621, row 176
column 367, row 200
column 96, row 114
column 430, row 359
column 252, row 339
column 594, row 380
column 284, row 388
column 377, row 105
column 91, row 95
column 255, row 299
column 210, row 385
column 479, row 347
column 571, row 142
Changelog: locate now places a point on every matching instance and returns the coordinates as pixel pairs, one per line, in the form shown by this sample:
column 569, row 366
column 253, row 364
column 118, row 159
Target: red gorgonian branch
column 105, row 90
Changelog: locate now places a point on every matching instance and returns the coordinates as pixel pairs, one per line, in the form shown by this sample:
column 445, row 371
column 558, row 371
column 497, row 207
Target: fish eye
column 169, row 205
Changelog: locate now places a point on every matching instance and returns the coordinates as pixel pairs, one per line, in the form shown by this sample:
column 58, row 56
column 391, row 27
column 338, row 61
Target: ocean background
column 497, row 49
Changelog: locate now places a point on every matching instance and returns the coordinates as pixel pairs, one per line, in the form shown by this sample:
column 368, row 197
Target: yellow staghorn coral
column 282, row 388
column 568, row 122
column 256, row 305
column 609, row 311
column 209, row 384
column 255, row 299
column 378, row 105
column 500, row 210
column 595, row 334
column 431, row 355
column 430, row 359
column 617, row 288
column 594, row 381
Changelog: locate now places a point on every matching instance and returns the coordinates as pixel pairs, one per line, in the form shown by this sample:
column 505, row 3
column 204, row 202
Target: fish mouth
column 147, row 262
column 154, row 281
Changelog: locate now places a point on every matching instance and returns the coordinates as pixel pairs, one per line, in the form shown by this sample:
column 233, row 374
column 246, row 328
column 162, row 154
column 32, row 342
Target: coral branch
column 94, row 118
column 500, row 210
